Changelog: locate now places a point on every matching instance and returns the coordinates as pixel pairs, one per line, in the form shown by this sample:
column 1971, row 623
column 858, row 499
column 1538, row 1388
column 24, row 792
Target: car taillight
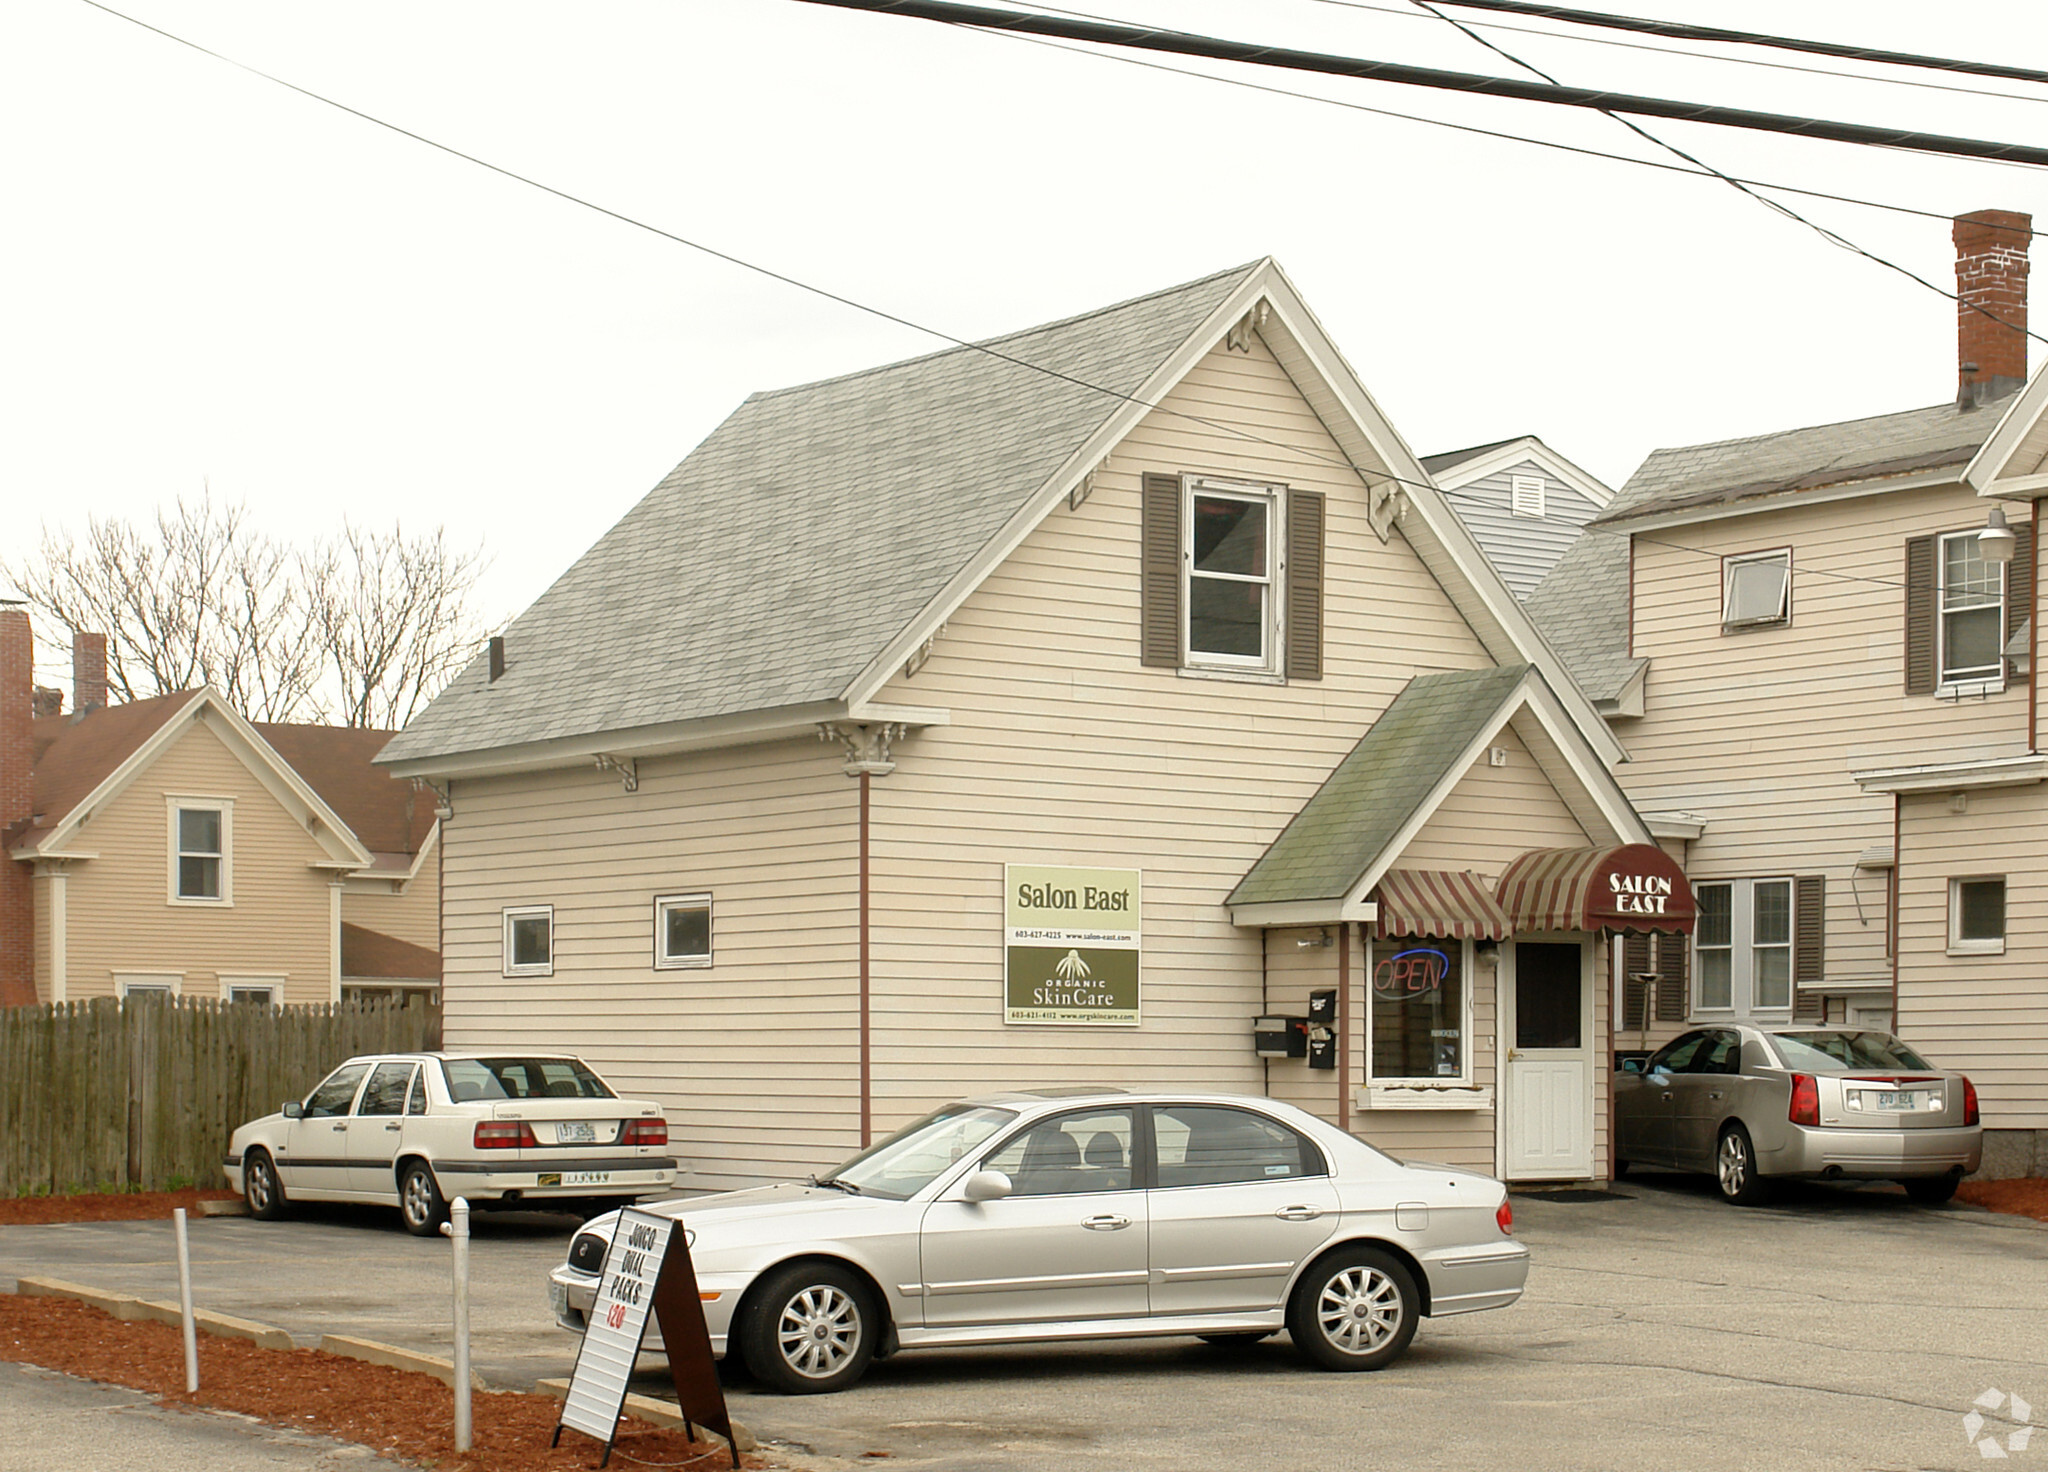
column 646, row 1132
column 1969, row 1102
column 504, row 1134
column 1805, row 1100
column 1505, row 1218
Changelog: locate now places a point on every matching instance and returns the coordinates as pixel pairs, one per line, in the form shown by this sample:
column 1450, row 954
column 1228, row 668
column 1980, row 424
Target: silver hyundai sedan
column 1025, row 1217
column 1751, row 1103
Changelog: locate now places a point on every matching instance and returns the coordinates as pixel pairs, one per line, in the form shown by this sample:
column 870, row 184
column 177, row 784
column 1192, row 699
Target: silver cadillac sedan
column 1752, row 1103
column 1083, row 1214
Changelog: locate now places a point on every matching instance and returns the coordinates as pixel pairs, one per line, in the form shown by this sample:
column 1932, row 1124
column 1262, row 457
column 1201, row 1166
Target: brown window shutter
column 1674, row 979
column 1635, row 960
column 1304, row 585
column 1921, row 676
column 2019, row 584
column 1809, row 941
column 1159, row 621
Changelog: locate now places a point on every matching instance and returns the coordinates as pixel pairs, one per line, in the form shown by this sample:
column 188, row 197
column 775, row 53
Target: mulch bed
column 125, row 1206
column 400, row 1414
column 2028, row 1197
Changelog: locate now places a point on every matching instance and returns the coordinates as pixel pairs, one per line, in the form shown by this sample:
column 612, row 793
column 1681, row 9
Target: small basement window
column 1756, row 590
column 682, row 930
column 1976, row 916
column 530, row 941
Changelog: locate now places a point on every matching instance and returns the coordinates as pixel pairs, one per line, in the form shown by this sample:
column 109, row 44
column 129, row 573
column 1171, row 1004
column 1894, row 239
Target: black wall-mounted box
column 1280, row 1037
column 1322, row 1008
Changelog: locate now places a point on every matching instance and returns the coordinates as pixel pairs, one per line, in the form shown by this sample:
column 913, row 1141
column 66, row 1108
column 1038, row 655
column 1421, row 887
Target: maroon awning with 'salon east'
column 1631, row 886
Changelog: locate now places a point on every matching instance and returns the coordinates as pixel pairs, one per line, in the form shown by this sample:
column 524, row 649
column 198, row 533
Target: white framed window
column 1756, row 590
column 267, row 991
column 682, row 930
column 1970, row 622
column 1419, row 1013
column 1526, row 495
column 530, row 940
column 201, row 832
column 1976, row 916
column 149, row 983
column 1742, row 946
column 1230, row 591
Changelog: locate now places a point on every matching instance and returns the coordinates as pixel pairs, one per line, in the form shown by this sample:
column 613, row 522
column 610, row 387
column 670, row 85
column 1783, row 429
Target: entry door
column 1549, row 1065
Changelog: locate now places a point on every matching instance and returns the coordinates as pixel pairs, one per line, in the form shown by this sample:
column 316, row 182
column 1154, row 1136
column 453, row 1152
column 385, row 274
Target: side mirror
column 987, row 1185
column 291, row 1109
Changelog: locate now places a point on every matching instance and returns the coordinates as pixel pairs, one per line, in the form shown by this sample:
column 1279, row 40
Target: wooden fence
column 142, row 1095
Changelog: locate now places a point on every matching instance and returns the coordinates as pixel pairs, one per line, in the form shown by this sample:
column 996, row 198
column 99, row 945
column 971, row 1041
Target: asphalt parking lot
column 1834, row 1329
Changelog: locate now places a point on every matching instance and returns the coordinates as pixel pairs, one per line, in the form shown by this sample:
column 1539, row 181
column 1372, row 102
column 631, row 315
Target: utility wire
column 1833, row 238
column 1679, row 30
column 1756, row 61
column 1189, row 44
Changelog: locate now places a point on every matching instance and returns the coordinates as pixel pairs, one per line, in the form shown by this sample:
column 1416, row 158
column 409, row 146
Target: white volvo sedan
column 414, row 1130
column 1085, row 1214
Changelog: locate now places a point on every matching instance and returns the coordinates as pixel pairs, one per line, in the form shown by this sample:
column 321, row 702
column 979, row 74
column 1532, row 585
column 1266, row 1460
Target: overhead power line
column 1364, row 69
column 1681, row 31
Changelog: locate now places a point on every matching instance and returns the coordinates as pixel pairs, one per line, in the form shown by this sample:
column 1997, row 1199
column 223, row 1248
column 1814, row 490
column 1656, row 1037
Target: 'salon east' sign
column 1071, row 943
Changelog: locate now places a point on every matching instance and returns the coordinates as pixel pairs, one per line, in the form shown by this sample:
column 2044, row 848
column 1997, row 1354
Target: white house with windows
column 1822, row 663
column 1048, row 711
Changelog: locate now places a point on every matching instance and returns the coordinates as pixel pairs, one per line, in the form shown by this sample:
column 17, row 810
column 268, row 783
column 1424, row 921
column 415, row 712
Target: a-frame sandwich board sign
column 647, row 1268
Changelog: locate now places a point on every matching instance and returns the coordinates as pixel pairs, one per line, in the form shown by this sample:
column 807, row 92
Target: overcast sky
column 213, row 281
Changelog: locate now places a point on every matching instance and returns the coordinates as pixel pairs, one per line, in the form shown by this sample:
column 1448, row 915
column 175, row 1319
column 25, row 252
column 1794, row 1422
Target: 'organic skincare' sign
column 1071, row 941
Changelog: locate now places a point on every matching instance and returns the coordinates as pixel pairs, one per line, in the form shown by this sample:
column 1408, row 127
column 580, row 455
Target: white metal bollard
column 185, row 1305
column 456, row 1229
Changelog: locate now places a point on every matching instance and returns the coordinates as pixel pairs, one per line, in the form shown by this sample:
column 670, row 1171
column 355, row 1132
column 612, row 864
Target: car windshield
column 521, row 1078
column 1830, row 1049
column 912, row 1158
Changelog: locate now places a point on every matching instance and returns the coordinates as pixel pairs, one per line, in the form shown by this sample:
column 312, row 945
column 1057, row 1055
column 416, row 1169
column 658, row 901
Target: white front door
column 1548, row 1061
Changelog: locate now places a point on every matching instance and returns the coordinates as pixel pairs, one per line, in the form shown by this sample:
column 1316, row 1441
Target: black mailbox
column 1322, row 1008
column 1322, row 1048
column 1280, row 1037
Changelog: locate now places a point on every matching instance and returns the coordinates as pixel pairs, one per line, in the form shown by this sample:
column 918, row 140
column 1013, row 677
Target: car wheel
column 261, row 1188
column 1735, row 1168
column 1238, row 1337
column 1932, row 1190
column 419, row 1199
column 811, row 1328
column 1354, row 1310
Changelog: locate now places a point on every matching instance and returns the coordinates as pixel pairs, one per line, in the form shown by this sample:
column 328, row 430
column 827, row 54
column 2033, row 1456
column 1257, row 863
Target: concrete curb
column 663, row 1413
column 121, row 1306
column 371, row 1352
column 237, row 1207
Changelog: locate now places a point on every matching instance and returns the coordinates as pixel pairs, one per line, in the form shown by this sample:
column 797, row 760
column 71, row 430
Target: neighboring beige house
column 168, row 845
column 1824, row 673
column 1047, row 711
column 1524, row 503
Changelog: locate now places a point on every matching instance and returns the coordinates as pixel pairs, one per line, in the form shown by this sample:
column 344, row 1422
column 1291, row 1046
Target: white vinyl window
column 266, row 991
column 1971, row 597
column 149, row 983
column 1742, row 946
column 1526, row 496
column 1756, row 590
column 682, row 930
column 530, row 941
column 1230, row 561
column 201, row 850
column 1976, row 916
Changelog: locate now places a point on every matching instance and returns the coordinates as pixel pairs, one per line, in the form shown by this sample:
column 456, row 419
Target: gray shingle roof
column 771, row 566
column 1452, row 459
column 1347, row 825
column 1728, row 471
column 1581, row 607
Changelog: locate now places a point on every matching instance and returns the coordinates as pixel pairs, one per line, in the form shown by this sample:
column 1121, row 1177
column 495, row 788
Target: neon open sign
column 1410, row 974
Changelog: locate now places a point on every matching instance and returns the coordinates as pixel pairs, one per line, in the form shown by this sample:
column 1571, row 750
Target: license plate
column 1896, row 1102
column 575, row 1132
column 586, row 1177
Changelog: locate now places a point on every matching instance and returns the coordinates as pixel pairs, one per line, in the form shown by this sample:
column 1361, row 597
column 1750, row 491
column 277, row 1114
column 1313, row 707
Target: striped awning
column 1629, row 887
column 1438, row 902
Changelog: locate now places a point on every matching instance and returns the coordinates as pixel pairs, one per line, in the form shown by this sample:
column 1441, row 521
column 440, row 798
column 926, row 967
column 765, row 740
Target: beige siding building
column 1043, row 712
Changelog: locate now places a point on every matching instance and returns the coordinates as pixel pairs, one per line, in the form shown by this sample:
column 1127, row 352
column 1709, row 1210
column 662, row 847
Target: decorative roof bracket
column 628, row 769
column 1240, row 338
column 867, row 746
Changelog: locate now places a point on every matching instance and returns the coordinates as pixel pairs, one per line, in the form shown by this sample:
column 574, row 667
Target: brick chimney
column 88, row 671
column 17, row 900
column 1991, row 313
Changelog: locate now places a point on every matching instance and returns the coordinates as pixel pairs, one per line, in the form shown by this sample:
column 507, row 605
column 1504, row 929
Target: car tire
column 261, row 1188
column 419, row 1199
column 810, row 1328
column 1355, row 1309
column 1735, row 1168
column 1932, row 1190
column 1237, row 1338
